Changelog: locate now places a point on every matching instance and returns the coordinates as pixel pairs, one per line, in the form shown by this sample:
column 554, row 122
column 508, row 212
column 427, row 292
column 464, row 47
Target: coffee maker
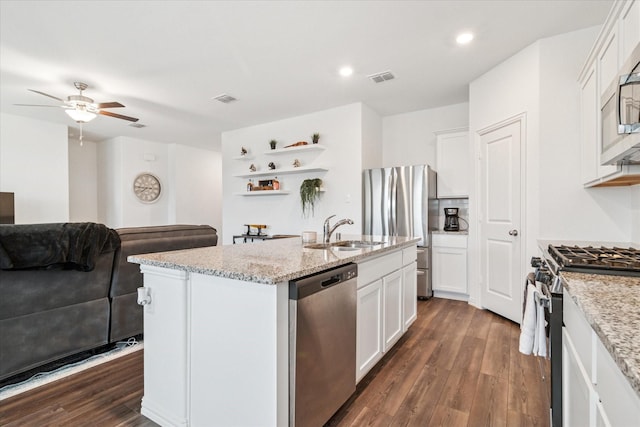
column 451, row 219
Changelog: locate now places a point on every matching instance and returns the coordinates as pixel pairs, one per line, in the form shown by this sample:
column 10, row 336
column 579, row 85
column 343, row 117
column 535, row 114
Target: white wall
column 196, row 186
column 601, row 214
column 110, row 186
column 34, row 166
column 121, row 159
column 371, row 139
column 189, row 178
column 340, row 132
column 541, row 82
column 83, row 181
column 409, row 139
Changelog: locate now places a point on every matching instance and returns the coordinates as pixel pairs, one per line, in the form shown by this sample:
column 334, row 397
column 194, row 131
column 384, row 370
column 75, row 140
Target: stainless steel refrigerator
column 401, row 201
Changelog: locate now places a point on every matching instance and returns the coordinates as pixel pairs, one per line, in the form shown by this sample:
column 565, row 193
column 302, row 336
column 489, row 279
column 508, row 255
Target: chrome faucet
column 328, row 230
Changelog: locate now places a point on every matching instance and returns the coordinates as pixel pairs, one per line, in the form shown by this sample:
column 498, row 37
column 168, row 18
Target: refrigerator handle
column 393, row 208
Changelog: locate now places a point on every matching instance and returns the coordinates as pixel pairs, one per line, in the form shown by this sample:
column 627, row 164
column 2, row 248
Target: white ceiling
column 165, row 60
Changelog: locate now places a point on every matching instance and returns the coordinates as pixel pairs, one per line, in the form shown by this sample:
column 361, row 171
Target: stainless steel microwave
column 620, row 115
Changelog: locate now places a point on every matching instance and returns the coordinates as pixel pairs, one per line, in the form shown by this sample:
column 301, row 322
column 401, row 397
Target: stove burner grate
column 602, row 258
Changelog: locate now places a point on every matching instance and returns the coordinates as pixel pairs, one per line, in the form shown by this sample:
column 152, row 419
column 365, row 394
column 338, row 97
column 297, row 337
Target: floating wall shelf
column 308, row 147
column 284, row 171
column 245, row 157
column 263, row 193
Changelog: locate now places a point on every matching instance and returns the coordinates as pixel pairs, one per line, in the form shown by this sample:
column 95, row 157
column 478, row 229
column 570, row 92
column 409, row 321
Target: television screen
column 7, row 209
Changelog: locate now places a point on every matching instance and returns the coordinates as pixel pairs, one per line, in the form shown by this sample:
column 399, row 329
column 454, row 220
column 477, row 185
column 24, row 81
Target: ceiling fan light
column 80, row 115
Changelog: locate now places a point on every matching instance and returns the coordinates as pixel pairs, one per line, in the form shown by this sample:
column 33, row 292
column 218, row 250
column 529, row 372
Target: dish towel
column 533, row 337
column 529, row 321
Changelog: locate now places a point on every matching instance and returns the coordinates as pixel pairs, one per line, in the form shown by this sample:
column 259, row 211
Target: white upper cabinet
column 620, row 35
column 452, row 163
column 589, row 126
column 608, row 64
column 629, row 29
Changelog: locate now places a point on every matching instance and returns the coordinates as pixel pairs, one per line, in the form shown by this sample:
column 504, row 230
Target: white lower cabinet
column 369, row 332
column 619, row 402
column 386, row 304
column 449, row 264
column 601, row 419
column 577, row 389
column 392, row 302
column 410, row 295
column 594, row 390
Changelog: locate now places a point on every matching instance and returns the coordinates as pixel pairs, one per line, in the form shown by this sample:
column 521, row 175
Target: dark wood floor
column 456, row 366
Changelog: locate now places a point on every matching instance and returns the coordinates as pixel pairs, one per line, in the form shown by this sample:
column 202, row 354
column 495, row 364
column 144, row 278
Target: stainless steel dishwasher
column 322, row 344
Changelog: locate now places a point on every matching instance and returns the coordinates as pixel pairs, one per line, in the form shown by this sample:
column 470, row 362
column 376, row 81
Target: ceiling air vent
column 224, row 98
column 382, row 77
column 137, row 125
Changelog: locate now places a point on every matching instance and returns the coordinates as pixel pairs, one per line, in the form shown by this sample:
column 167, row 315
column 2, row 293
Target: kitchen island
column 217, row 327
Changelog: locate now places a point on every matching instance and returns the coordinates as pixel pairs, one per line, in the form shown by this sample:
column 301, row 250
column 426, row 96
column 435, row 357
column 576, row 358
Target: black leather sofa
column 80, row 299
column 126, row 314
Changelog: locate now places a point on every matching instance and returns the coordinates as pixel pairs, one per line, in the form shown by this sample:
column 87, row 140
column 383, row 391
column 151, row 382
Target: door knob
column 513, row 233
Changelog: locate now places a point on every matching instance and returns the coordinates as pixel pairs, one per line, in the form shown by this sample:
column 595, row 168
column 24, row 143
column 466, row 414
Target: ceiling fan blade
column 110, row 105
column 46, row 94
column 38, row 105
column 117, row 116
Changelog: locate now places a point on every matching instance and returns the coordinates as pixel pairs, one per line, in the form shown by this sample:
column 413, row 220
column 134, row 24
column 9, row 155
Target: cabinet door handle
column 513, row 233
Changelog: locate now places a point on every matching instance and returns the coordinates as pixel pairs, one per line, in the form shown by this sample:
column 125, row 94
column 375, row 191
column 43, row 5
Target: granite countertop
column 462, row 232
column 610, row 304
column 268, row 262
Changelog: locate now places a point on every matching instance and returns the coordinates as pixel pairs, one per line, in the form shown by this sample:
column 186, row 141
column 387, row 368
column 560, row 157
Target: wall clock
column 146, row 187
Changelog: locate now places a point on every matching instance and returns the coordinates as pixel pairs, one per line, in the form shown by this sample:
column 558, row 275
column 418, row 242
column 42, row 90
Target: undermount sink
column 344, row 245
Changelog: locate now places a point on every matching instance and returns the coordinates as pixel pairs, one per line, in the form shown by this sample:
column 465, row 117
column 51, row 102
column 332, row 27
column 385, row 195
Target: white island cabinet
column 212, row 345
column 387, row 305
column 217, row 327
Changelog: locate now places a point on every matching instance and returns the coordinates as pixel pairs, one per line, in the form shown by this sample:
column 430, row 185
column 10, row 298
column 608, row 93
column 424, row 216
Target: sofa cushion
column 30, row 291
column 41, row 337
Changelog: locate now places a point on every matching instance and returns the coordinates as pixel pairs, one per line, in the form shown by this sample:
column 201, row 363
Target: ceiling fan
column 81, row 108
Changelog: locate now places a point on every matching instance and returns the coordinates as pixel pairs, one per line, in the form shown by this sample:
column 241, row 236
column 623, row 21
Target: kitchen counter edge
column 285, row 259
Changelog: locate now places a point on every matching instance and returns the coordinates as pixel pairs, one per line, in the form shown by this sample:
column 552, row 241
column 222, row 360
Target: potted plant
column 273, row 143
column 315, row 138
column 309, row 194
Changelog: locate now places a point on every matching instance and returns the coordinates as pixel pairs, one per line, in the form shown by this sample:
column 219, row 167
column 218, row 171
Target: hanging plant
column 309, row 194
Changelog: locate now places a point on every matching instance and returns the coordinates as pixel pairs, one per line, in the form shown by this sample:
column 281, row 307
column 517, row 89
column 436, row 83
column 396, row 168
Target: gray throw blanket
column 55, row 246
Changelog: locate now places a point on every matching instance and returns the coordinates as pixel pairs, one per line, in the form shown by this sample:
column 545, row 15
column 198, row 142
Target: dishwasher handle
column 309, row 285
column 331, row 281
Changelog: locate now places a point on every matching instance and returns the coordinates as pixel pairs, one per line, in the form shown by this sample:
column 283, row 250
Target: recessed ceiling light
column 346, row 71
column 464, row 38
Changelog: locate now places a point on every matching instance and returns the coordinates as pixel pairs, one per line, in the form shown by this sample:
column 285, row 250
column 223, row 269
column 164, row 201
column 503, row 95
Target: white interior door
column 500, row 219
